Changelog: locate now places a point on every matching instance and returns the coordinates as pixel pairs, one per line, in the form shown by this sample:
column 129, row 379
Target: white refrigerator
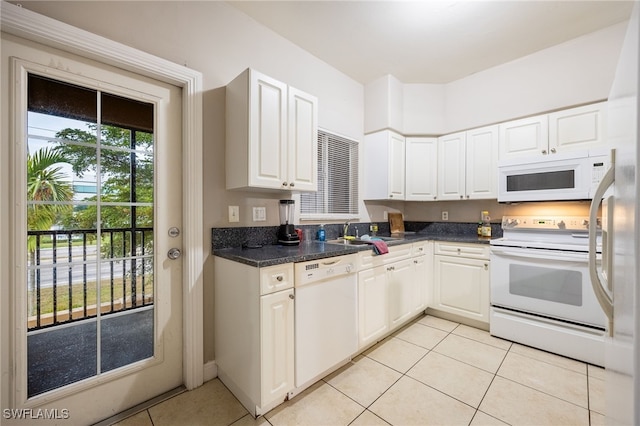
column 616, row 282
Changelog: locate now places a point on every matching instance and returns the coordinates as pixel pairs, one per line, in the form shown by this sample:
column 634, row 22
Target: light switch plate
column 259, row 214
column 234, row 214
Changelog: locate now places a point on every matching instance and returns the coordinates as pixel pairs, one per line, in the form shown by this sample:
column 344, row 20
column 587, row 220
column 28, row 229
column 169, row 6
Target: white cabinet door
column 482, row 163
column 373, row 317
column 528, row 136
column 422, row 275
column 578, row 128
column 451, row 166
column 268, row 131
column 401, row 287
column 271, row 135
column 302, row 145
column 277, row 345
column 396, row 166
column 461, row 286
column 384, row 168
column 421, row 172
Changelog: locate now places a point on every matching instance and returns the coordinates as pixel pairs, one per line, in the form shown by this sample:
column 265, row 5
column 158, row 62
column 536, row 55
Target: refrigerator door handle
column 598, row 281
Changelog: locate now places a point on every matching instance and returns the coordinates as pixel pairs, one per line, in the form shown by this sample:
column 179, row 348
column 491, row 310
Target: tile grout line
column 489, row 387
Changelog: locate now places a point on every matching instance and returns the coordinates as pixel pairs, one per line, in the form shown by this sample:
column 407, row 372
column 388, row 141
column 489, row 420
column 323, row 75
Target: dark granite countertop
column 269, row 255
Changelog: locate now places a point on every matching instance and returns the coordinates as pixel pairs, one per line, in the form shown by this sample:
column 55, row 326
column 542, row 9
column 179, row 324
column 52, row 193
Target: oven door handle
column 556, row 255
column 598, row 281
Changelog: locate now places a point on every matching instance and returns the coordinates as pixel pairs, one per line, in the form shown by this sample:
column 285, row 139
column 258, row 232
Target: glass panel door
column 90, row 240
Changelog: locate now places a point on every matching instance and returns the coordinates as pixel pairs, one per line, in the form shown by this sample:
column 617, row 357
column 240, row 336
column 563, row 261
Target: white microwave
column 554, row 177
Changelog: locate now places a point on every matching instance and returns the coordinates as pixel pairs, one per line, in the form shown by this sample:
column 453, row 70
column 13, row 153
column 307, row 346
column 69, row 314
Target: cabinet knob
column 544, row 151
column 291, row 296
column 435, row 198
column 279, row 278
column 284, row 183
column 553, row 150
column 390, row 195
column 467, row 196
column 461, row 197
column 292, row 184
column 486, row 266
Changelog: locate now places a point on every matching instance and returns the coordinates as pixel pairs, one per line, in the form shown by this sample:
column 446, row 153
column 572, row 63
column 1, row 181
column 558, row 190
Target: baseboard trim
column 210, row 370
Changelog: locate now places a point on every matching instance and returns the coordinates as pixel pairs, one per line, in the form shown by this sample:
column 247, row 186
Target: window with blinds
column 337, row 178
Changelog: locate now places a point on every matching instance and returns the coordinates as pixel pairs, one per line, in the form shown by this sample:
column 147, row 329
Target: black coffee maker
column 287, row 235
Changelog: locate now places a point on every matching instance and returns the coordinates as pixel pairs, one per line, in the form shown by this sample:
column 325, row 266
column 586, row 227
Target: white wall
column 572, row 73
column 424, row 109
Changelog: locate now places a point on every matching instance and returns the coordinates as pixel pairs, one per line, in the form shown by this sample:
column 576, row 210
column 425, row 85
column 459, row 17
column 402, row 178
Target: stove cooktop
column 546, row 232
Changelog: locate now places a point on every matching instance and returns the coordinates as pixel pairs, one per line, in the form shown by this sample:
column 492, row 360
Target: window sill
column 329, row 217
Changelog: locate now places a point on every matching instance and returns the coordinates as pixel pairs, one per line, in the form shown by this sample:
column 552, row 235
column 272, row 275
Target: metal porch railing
column 71, row 277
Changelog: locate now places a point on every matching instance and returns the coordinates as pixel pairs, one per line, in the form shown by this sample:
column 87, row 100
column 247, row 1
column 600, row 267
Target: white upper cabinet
column 467, row 164
column 421, row 169
column 384, row 167
column 303, row 141
column 271, row 135
column 578, row 128
column 527, row 136
column 570, row 129
column 482, row 163
column 451, row 166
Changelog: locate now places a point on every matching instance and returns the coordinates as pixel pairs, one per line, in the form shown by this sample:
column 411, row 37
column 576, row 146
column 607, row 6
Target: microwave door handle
column 605, row 300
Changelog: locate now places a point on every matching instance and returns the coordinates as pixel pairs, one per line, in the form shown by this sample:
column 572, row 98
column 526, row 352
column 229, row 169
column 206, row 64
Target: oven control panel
column 560, row 223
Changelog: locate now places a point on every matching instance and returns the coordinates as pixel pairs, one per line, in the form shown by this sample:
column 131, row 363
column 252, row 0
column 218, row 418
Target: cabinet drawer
column 368, row 259
column 276, row 278
column 473, row 251
column 420, row 249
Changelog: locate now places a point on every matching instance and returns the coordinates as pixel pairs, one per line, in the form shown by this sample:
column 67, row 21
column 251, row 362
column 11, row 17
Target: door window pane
column 90, row 175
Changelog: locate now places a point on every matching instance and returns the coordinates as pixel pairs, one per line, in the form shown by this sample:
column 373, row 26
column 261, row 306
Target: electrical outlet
column 234, row 214
column 259, row 214
column 385, row 216
column 445, row 215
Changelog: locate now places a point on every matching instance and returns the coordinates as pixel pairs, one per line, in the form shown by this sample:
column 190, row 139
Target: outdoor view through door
column 90, row 197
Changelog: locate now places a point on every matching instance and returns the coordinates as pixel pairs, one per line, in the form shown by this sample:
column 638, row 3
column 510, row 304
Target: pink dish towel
column 379, row 247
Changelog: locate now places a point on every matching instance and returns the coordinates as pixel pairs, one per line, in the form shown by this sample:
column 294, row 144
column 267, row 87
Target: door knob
column 174, row 253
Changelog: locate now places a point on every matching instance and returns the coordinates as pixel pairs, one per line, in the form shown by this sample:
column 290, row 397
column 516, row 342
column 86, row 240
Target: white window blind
column 337, row 178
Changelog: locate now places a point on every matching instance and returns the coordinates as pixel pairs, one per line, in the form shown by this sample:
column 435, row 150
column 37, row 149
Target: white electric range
column 541, row 292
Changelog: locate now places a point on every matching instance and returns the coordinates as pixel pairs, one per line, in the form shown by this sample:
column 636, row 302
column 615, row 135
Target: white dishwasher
column 326, row 316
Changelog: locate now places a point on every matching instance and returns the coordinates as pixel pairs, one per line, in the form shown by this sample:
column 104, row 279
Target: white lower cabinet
column 373, row 309
column 254, row 332
column 401, row 292
column 276, row 343
column 422, row 275
column 461, row 280
column 392, row 290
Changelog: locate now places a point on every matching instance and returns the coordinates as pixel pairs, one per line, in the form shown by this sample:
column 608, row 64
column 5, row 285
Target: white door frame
column 49, row 32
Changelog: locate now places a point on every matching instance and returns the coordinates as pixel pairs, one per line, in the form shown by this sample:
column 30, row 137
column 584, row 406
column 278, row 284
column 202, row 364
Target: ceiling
column 429, row 41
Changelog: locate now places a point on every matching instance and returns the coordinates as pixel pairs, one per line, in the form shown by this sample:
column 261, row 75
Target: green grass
column 77, row 294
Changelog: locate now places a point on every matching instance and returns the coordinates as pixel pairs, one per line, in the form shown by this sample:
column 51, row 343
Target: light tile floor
column 432, row 372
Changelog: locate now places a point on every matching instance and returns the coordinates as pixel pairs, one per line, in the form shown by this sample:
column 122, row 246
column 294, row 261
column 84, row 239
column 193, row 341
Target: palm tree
column 45, row 183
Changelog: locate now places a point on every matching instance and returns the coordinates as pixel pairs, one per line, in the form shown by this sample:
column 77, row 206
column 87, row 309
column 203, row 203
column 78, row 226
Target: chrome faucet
column 345, row 229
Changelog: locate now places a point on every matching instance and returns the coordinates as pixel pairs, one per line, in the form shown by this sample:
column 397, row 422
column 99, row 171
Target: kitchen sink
column 359, row 242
